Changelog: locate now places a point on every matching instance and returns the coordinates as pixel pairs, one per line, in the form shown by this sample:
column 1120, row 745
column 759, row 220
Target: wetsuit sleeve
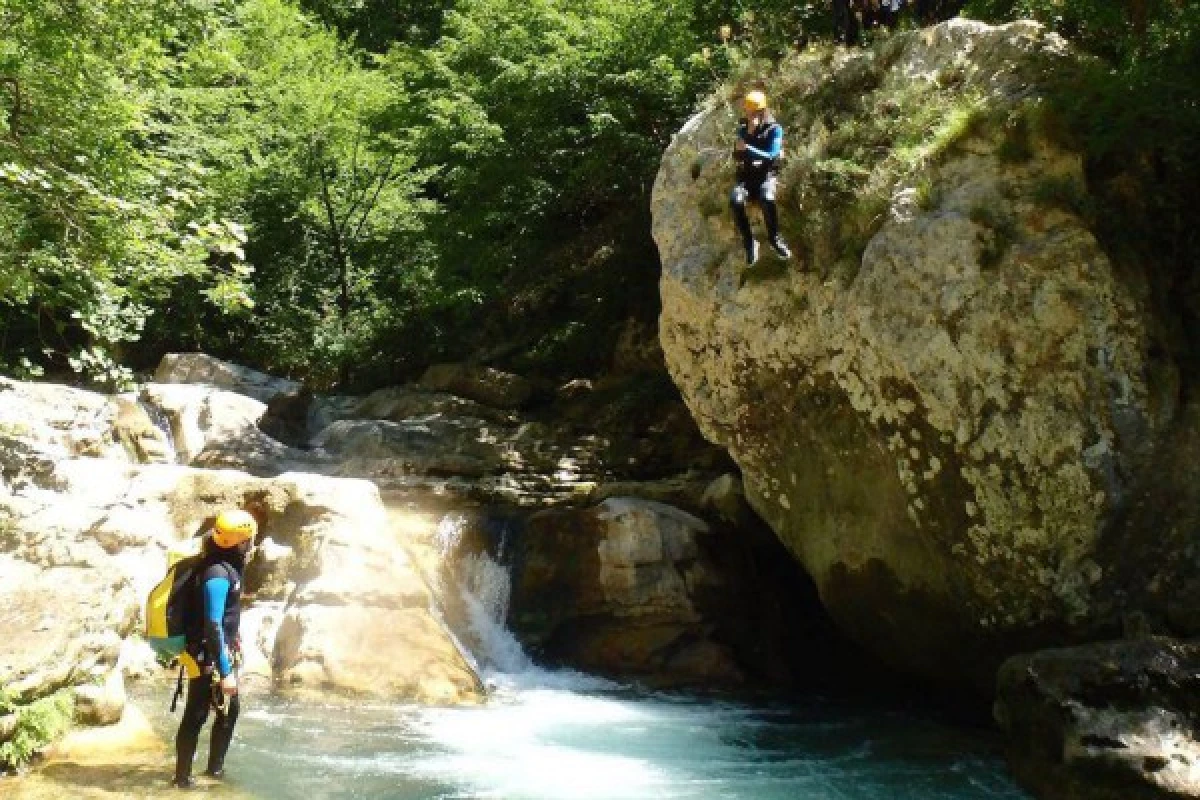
column 215, row 592
column 774, row 144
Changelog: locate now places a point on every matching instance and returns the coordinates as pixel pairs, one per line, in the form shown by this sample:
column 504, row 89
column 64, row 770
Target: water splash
column 483, row 587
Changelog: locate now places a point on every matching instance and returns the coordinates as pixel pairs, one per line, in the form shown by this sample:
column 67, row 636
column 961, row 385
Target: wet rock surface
column 617, row 588
column 1110, row 721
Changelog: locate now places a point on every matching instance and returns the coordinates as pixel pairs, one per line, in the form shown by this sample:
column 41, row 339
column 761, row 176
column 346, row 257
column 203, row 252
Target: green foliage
column 376, row 24
column 863, row 142
column 38, row 724
column 95, row 215
column 1135, row 114
column 538, row 121
column 329, row 195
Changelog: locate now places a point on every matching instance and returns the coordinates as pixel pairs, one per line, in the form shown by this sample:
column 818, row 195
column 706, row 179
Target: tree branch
column 14, row 113
column 384, row 176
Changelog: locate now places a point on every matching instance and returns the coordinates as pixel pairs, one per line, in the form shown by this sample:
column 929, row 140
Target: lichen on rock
column 948, row 400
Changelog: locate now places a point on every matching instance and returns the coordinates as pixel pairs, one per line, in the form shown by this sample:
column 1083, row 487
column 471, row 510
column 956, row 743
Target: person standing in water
column 757, row 151
column 213, row 644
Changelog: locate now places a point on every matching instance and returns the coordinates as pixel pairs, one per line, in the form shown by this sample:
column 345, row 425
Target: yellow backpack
column 174, row 603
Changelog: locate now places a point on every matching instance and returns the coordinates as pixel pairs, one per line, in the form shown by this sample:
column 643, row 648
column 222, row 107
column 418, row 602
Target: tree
column 288, row 121
column 96, row 221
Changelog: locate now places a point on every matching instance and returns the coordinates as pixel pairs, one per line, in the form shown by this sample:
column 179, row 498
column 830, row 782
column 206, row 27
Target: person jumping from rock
column 757, row 151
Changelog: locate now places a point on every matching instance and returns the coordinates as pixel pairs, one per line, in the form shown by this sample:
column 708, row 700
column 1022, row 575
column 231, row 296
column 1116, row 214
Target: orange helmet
column 232, row 528
column 755, row 101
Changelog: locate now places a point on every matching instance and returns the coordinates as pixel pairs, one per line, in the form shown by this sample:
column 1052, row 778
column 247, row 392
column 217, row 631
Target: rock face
column 619, row 588
column 953, row 426
column 202, row 368
column 1112, row 721
column 482, row 384
column 82, row 540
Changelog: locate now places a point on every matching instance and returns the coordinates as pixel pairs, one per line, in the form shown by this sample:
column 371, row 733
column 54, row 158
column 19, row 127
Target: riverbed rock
column 1111, row 721
column 216, row 428
column 98, row 704
column 40, row 423
column 201, row 368
column 286, row 417
column 137, row 433
column 363, row 622
column 614, row 588
column 951, row 405
column 486, row 385
column 81, row 547
column 400, row 403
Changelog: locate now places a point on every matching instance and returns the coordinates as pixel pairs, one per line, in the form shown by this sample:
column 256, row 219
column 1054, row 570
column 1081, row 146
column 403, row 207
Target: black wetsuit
column 756, row 169
column 210, row 640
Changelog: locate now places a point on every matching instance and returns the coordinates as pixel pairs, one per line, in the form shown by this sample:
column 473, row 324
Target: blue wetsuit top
column 215, row 592
column 774, row 140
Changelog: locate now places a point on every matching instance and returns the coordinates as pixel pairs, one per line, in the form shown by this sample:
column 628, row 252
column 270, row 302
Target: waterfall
column 483, row 588
column 480, row 589
column 163, row 423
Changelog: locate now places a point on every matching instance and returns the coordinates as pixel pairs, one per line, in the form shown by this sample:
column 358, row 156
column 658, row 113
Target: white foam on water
column 544, row 743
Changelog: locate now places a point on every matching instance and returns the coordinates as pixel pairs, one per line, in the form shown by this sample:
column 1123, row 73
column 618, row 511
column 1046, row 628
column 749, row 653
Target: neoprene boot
column 183, row 775
column 222, row 735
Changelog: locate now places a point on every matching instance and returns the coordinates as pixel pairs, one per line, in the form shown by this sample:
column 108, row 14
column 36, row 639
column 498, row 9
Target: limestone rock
column 286, row 417
column 81, row 547
column 103, row 703
column 485, row 385
column 204, row 369
column 199, row 415
column 613, row 588
column 1109, row 721
column 218, row 428
column 40, row 423
column 399, row 403
column 439, row 445
column 136, row 431
column 363, row 621
column 684, row 491
column 726, row 497
column 951, row 432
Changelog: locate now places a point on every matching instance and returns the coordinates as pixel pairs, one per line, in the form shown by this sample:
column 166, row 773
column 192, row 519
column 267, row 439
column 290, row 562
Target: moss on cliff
column 857, row 135
column 998, row 371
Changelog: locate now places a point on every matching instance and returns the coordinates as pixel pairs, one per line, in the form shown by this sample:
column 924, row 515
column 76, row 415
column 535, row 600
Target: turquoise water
column 562, row 736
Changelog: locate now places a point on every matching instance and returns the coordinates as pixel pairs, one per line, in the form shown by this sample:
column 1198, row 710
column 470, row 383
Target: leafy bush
column 38, row 724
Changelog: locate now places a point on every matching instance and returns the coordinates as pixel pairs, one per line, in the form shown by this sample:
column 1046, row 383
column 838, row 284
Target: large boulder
column 619, row 588
column 221, row 429
column 954, row 410
column 40, row 423
column 361, row 618
column 103, row 702
column 1111, row 721
column 204, row 369
column 434, row 444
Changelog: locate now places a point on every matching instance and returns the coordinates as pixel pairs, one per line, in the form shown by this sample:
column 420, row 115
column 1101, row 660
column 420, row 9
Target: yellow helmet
column 755, row 101
column 232, row 528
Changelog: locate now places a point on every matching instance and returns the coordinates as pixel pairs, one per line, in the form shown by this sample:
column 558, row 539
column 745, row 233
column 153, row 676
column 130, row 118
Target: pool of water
column 562, row 736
